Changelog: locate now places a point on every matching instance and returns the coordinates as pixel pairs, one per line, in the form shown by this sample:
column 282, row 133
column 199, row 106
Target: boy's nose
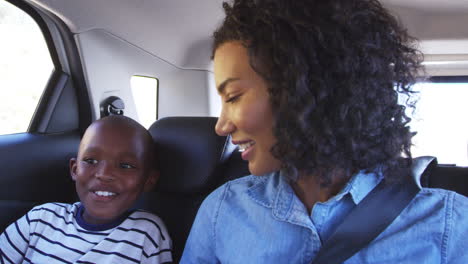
column 104, row 172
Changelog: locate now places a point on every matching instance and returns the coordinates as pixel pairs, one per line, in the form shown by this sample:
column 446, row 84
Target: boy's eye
column 90, row 161
column 126, row 166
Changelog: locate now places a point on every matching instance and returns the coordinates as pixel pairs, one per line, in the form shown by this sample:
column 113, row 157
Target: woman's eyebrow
column 222, row 86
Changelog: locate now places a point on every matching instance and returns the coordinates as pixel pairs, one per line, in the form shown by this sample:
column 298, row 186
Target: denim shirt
column 260, row 220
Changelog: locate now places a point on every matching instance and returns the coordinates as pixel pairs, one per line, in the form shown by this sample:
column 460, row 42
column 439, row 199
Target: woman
column 309, row 92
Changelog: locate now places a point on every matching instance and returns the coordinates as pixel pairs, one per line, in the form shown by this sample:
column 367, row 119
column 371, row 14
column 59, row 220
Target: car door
column 44, row 110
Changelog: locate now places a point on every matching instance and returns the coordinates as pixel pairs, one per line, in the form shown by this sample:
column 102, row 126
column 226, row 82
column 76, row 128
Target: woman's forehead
column 232, row 53
column 231, row 61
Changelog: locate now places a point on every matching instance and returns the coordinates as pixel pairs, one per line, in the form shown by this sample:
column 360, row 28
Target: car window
column 145, row 96
column 440, row 120
column 25, row 67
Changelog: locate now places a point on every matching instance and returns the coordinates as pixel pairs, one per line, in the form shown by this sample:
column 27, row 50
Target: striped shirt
column 56, row 233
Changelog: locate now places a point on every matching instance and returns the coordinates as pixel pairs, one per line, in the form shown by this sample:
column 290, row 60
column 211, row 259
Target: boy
column 115, row 164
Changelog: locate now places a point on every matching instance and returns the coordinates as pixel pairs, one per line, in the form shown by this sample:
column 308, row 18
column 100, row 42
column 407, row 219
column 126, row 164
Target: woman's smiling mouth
column 244, row 146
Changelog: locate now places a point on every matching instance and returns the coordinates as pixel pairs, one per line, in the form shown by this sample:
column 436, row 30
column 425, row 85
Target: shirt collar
column 265, row 189
column 98, row 227
column 274, row 191
column 361, row 184
column 284, row 199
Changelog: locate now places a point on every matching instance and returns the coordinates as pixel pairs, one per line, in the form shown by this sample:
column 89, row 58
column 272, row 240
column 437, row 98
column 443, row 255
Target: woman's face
column 246, row 111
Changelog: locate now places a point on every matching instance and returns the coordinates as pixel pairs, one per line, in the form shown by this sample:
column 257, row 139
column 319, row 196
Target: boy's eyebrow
column 222, row 86
column 89, row 149
column 130, row 155
column 126, row 154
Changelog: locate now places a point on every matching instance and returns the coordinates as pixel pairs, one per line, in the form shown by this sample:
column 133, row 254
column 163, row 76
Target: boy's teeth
column 103, row 193
column 244, row 146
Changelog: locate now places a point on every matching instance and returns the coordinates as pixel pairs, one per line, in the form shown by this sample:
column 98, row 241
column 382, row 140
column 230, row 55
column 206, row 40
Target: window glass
column 25, row 67
column 145, row 96
column 441, row 122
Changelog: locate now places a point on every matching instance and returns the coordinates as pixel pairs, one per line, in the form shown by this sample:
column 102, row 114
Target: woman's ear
column 73, row 168
column 151, row 181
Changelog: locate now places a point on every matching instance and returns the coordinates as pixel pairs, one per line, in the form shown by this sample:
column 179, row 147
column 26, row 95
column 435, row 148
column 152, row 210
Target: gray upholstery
column 193, row 161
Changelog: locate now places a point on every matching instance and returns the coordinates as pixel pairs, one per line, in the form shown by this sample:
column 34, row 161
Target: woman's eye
column 126, row 166
column 232, row 99
column 90, row 161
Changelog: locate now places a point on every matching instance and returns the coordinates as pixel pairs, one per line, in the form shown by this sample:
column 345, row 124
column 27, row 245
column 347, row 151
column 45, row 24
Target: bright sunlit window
column 145, row 96
column 441, row 122
column 25, row 67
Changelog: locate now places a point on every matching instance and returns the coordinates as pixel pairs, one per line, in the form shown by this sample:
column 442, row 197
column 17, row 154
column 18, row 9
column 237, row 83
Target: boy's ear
column 151, row 180
column 73, row 167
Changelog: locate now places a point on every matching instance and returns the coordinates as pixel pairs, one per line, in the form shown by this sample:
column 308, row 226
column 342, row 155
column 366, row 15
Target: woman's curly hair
column 334, row 70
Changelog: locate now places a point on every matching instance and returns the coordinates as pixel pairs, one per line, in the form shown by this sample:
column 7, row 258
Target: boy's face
column 110, row 171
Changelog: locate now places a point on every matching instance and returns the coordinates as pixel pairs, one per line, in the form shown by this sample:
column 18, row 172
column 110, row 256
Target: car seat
column 193, row 161
column 444, row 176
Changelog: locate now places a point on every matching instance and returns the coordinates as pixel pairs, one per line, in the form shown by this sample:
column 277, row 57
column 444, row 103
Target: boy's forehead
column 110, row 129
column 119, row 134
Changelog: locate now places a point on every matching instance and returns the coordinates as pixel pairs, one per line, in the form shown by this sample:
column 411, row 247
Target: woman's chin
column 259, row 171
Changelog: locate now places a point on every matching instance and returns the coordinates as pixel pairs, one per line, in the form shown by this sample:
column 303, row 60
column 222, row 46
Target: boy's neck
column 98, row 227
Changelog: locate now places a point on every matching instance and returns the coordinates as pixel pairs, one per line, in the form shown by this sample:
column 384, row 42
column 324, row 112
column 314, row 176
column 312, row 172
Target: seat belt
column 366, row 221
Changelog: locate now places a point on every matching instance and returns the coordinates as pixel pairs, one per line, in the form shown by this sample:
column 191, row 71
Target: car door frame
column 35, row 163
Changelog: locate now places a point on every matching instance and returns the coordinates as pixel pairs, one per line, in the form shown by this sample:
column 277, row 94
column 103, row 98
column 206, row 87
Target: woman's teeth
column 104, row 193
column 244, row 146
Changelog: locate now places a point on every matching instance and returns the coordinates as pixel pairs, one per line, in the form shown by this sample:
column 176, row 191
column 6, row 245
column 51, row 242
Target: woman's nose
column 224, row 126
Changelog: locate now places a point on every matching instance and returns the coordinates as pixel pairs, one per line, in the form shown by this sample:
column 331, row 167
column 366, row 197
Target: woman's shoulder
column 242, row 185
column 247, row 182
column 436, row 194
column 246, row 189
column 442, row 195
column 443, row 203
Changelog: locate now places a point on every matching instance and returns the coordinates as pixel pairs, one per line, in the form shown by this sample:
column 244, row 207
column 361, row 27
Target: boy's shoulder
column 146, row 218
column 58, row 206
column 61, row 209
column 147, row 222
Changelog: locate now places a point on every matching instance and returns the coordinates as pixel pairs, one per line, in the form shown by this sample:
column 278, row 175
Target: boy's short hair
column 150, row 146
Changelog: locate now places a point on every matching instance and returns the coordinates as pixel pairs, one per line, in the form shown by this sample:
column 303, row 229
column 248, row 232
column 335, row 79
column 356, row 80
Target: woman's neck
column 310, row 190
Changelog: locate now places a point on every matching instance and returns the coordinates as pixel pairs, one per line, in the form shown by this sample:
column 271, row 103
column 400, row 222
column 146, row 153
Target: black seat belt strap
column 366, row 221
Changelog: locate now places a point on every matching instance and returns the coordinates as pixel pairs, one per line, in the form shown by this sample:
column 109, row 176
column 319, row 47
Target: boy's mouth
column 105, row 193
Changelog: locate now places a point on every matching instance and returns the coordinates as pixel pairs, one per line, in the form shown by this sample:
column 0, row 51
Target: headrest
column 189, row 152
